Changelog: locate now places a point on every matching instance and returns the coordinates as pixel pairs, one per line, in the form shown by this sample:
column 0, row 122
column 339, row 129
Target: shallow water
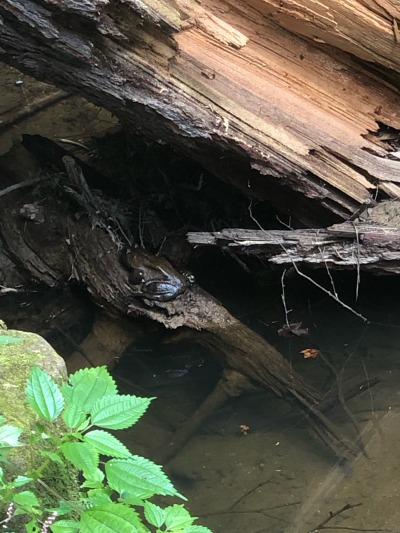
column 279, row 477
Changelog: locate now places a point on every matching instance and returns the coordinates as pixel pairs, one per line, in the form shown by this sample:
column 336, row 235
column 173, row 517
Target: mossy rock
column 16, row 362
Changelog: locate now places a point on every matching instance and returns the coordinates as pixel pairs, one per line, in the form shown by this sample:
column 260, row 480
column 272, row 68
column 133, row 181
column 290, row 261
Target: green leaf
column 99, row 496
column 63, row 508
column 2, row 419
column 65, row 526
column 82, row 456
column 88, row 386
column 20, row 481
column 7, row 339
column 118, row 411
column 154, row 514
column 177, row 517
column 33, row 526
column 197, row 529
column 43, row 395
column 106, row 444
column 9, row 436
column 94, row 479
column 139, row 477
column 74, row 415
column 52, row 456
column 26, row 498
column 111, row 518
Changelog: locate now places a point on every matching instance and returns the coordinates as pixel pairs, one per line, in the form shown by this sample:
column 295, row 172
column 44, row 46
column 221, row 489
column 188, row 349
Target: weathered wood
column 371, row 243
column 260, row 106
column 60, row 246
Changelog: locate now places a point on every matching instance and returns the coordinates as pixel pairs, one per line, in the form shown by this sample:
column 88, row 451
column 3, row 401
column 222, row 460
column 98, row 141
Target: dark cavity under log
column 60, row 247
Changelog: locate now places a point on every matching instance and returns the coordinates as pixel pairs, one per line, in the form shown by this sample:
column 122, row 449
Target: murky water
column 278, row 477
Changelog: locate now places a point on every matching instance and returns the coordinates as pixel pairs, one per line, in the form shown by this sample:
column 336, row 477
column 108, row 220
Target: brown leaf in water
column 310, row 353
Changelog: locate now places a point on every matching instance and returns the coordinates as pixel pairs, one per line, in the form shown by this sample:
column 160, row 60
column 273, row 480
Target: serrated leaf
column 26, row 498
column 65, row 526
column 9, row 436
column 139, row 477
column 111, row 518
column 74, row 416
column 43, row 395
column 83, row 456
column 197, row 529
column 88, row 385
column 118, row 411
column 154, row 514
column 177, row 517
column 106, row 444
column 7, row 339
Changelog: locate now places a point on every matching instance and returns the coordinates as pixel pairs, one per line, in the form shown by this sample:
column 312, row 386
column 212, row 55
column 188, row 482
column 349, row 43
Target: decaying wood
column 284, row 100
column 60, row 247
column 371, row 242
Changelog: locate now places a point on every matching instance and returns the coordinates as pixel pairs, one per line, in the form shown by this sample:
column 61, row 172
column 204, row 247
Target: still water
column 276, row 476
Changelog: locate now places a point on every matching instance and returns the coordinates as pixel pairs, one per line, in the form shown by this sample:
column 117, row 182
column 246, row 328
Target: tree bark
column 284, row 100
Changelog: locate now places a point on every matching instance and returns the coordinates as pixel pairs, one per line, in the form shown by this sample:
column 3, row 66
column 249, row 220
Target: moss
column 16, row 362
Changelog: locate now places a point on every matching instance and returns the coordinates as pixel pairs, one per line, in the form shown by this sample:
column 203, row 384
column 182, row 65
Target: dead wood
column 370, row 242
column 86, row 249
column 286, row 101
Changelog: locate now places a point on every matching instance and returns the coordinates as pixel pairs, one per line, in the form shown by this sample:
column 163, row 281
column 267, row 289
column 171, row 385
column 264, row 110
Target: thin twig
column 34, row 107
column 343, row 403
column 248, row 493
column 358, row 261
column 21, row 184
column 329, row 293
column 283, row 298
column 334, row 515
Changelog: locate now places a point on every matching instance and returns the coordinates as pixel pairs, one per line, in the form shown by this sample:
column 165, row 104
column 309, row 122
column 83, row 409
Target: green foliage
column 114, row 496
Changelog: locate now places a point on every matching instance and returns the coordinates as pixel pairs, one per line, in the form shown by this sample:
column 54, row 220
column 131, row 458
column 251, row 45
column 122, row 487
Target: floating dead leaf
column 244, row 429
column 310, row 353
column 293, row 329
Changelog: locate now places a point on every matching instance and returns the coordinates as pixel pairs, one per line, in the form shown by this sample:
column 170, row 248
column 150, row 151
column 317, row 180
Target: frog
column 153, row 276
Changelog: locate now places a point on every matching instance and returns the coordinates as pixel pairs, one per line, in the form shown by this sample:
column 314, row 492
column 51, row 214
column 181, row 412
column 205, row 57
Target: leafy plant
column 114, row 492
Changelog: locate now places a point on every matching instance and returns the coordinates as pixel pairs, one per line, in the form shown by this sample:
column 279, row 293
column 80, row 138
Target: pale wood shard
column 370, row 243
column 278, row 98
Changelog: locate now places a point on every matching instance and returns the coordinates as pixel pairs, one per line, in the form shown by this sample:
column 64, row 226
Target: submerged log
column 370, row 243
column 59, row 246
column 284, row 100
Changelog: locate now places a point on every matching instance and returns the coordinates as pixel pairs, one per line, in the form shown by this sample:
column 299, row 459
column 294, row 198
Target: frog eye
column 136, row 277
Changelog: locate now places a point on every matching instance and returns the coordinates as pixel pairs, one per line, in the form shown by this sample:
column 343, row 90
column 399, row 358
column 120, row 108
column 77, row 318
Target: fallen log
column 285, row 101
column 59, row 246
column 369, row 243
